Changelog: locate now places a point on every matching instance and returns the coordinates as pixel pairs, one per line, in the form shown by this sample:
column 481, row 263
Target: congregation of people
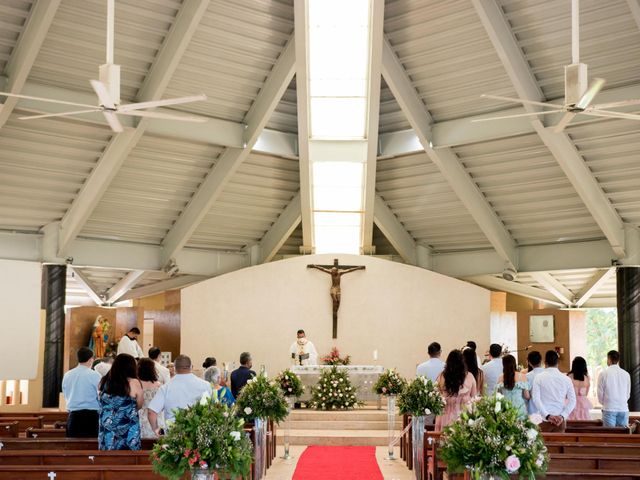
column 129, row 397
column 543, row 390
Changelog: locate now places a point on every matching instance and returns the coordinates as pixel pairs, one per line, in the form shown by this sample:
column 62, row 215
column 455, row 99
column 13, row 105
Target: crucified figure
column 336, row 271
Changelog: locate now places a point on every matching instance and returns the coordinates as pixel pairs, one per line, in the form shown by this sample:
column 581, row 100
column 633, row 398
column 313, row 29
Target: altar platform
column 363, row 378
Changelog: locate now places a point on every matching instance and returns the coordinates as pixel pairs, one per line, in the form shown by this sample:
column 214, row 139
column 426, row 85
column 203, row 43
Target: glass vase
column 260, row 448
column 203, row 474
column 287, row 429
column 477, row 474
column 417, row 436
column 391, row 425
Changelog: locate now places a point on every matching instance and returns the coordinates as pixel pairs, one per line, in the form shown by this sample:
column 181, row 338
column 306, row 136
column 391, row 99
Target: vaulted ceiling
column 462, row 198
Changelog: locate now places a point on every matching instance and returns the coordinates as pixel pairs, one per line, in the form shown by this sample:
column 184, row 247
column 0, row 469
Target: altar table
column 363, row 377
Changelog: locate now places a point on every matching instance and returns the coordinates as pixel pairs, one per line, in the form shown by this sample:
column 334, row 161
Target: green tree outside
column 602, row 336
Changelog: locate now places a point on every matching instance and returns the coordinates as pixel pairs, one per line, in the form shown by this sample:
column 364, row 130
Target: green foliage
column 421, row 397
column 290, row 384
column 334, row 391
column 261, row 398
column 205, row 435
column 390, row 383
column 490, row 438
column 602, row 336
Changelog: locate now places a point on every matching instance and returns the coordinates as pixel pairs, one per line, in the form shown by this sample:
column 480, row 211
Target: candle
column 375, row 354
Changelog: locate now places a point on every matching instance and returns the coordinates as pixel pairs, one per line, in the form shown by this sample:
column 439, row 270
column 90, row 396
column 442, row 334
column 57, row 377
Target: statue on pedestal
column 99, row 336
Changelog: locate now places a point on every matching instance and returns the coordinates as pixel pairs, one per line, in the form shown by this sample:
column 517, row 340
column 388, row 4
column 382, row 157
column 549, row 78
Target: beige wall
column 393, row 308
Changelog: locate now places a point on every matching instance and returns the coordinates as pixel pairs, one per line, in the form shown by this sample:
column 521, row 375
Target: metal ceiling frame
column 593, row 285
column 281, row 230
column 394, row 231
column 495, row 283
column 554, row 287
column 87, row 285
column 124, row 285
column 118, row 149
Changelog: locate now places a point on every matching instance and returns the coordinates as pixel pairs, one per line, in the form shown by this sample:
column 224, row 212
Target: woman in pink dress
column 458, row 387
column 581, row 383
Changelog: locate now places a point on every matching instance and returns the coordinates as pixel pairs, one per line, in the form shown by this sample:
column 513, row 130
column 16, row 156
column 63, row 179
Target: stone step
column 336, row 437
column 341, row 424
column 352, row 415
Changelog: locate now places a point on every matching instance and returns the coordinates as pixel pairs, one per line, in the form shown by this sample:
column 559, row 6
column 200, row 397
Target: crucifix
column 336, row 271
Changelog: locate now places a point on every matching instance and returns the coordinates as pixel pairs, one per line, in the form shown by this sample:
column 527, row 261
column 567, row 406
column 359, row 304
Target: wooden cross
column 336, row 271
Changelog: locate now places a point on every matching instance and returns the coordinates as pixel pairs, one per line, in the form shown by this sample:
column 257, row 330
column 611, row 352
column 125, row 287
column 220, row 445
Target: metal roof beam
column 124, row 285
column 25, row 52
column 121, row 144
column 395, row 232
column 229, row 162
column 445, row 159
column 494, row 283
column 559, row 144
column 593, row 285
column 554, row 287
column 634, row 6
column 88, row 287
column 170, row 284
column 373, row 120
column 281, row 230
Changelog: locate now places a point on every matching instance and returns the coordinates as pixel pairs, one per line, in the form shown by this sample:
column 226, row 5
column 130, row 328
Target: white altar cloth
column 363, row 377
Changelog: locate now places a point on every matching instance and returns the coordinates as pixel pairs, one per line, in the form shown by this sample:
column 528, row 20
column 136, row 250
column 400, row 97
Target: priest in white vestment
column 302, row 351
column 129, row 344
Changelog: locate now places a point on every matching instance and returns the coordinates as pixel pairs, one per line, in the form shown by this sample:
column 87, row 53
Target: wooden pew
column 78, row 472
column 24, row 422
column 580, row 462
column 591, row 437
column 46, row 433
column 74, row 457
column 49, row 416
column 593, row 448
column 595, row 474
column 59, row 444
column 9, row 429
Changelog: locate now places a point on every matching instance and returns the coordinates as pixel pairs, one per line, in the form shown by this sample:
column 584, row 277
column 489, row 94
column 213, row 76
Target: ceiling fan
column 578, row 95
column 107, row 89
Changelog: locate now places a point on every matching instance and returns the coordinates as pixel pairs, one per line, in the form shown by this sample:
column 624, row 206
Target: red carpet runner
column 338, row 463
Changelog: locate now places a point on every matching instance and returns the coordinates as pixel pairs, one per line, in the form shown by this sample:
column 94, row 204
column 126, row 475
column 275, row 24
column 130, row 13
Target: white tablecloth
column 362, row 376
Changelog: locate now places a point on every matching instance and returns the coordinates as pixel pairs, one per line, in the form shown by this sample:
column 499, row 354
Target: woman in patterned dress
column 457, row 386
column 120, row 397
column 148, row 376
column 514, row 385
column 581, row 383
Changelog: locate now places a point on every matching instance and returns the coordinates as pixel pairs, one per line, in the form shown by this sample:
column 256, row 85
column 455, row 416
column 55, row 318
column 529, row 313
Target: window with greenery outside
column 334, row 391
column 207, row 435
column 390, row 383
column 290, row 384
column 261, row 398
column 421, row 397
column 490, row 438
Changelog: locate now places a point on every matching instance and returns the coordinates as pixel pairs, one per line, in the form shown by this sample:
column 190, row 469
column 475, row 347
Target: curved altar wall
column 393, row 308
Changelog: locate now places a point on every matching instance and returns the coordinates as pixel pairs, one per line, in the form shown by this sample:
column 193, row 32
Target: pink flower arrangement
column 512, row 463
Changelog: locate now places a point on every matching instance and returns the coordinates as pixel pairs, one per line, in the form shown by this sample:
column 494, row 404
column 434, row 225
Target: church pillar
column 628, row 288
column 54, row 280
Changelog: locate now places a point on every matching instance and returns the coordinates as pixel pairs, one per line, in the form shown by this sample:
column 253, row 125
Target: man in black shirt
column 242, row 375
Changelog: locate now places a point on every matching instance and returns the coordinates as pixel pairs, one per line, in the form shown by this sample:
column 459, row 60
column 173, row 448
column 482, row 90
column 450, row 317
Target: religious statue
column 99, row 336
column 336, row 271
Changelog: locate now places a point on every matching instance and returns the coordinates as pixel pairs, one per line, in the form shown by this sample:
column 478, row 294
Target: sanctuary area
column 319, row 239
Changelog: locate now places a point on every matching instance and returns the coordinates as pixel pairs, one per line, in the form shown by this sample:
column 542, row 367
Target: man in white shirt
column 182, row 391
column 302, row 351
column 614, row 390
column 553, row 395
column 492, row 369
column 434, row 366
column 129, row 344
column 535, row 363
column 163, row 372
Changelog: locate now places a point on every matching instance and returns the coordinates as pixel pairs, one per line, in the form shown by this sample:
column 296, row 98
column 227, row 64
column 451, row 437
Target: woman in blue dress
column 220, row 392
column 513, row 385
column 120, row 396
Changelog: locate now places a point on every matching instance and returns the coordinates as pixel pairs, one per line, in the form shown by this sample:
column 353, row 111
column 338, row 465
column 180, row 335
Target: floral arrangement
column 490, row 438
column 390, row 383
column 334, row 391
column 290, row 384
column 207, row 435
column 333, row 358
column 261, row 398
column 421, row 397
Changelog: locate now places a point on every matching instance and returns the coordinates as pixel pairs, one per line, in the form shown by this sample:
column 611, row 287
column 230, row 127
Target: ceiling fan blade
column 524, row 102
column 103, row 94
column 50, row 100
column 185, row 118
column 623, row 103
column 113, row 121
column 62, row 114
column 516, row 115
column 161, row 103
column 591, row 93
column 609, row 114
column 564, row 121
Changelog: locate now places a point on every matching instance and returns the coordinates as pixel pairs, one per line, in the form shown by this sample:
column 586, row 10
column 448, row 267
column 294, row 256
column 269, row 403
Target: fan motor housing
column 575, row 82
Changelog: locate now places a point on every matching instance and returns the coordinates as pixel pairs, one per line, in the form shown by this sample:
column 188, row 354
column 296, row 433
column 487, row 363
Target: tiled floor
column 391, row 469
